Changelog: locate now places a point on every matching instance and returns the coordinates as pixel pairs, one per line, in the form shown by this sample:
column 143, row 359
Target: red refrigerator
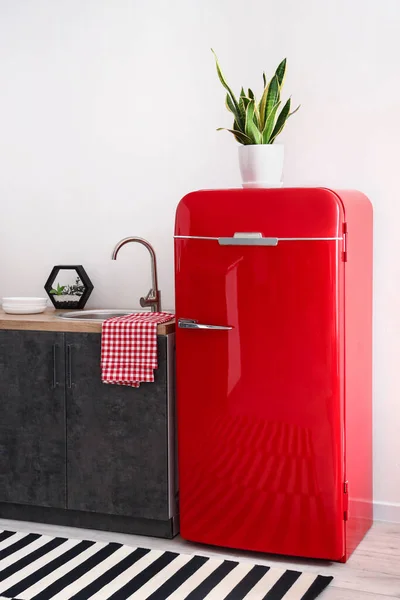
column 274, row 311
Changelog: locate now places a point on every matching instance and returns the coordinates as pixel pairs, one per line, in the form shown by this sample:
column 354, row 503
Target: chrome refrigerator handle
column 192, row 324
column 248, row 239
column 255, row 239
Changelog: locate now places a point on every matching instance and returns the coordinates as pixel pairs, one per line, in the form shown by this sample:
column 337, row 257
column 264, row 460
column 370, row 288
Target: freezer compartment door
column 260, row 404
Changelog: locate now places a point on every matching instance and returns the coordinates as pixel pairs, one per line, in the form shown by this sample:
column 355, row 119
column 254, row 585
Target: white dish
column 6, row 305
column 23, row 301
column 25, row 310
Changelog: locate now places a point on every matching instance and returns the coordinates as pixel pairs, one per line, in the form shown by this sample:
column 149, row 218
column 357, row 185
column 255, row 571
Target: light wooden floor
column 372, row 573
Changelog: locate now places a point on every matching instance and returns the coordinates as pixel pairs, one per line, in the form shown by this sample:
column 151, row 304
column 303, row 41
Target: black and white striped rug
column 39, row 567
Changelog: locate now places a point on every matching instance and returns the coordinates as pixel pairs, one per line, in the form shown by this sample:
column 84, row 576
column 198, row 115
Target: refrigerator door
column 259, row 355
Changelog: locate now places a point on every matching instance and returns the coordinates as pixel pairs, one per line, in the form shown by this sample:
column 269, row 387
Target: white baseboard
column 387, row 511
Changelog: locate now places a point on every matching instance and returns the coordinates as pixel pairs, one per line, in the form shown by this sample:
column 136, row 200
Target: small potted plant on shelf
column 256, row 125
column 68, row 286
column 68, row 295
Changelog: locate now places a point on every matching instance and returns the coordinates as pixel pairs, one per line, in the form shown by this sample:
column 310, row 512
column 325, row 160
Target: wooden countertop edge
column 47, row 321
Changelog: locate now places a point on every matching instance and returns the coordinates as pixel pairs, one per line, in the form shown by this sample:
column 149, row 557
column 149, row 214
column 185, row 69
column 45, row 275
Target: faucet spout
column 153, row 298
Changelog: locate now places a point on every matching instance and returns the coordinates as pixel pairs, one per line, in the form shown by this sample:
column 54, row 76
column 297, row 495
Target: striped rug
column 39, row 567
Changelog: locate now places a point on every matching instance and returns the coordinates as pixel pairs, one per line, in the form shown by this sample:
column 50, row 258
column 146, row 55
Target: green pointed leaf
column 239, row 135
column 239, row 115
column 280, row 122
column 256, row 117
column 251, row 94
column 243, row 104
column 280, row 72
column 245, row 101
column 226, row 86
column 251, row 129
column 242, row 107
column 294, row 111
column 264, row 79
column 273, row 96
column 269, row 124
column 236, row 129
column 262, row 105
column 229, row 104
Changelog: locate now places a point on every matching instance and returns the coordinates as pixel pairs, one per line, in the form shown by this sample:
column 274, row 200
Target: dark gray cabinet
column 68, row 441
column 32, row 418
column 117, row 437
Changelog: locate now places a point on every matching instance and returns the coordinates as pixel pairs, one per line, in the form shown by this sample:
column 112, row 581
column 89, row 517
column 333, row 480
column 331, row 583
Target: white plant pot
column 261, row 165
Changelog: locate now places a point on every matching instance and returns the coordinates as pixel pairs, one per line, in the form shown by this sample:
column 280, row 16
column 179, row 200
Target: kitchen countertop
column 48, row 321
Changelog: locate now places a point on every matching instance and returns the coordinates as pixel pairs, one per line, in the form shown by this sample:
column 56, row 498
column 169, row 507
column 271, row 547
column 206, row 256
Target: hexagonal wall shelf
column 68, row 286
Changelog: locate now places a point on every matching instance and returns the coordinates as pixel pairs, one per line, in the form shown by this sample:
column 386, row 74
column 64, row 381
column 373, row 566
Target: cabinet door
column 117, row 439
column 32, row 418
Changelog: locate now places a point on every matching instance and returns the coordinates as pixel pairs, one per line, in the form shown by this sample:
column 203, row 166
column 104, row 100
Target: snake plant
column 257, row 122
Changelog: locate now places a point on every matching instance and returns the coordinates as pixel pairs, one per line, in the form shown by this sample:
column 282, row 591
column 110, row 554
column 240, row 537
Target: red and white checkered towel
column 129, row 348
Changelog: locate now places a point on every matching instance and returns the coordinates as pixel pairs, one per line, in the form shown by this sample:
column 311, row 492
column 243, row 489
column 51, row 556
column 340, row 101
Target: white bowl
column 27, row 306
column 24, row 300
column 23, row 310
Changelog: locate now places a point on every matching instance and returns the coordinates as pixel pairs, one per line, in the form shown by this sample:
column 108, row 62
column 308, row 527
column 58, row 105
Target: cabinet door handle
column 69, row 366
column 55, row 382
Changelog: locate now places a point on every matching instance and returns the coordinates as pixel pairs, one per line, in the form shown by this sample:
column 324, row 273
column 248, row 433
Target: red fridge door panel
column 285, row 212
column 260, row 406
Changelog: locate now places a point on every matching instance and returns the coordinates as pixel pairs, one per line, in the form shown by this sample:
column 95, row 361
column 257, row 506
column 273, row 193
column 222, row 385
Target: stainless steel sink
column 97, row 315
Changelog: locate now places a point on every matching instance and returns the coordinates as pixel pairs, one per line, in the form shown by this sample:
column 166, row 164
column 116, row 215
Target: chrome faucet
column 153, row 298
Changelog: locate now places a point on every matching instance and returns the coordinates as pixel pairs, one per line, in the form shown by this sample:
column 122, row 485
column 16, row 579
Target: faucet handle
column 152, row 299
column 149, row 297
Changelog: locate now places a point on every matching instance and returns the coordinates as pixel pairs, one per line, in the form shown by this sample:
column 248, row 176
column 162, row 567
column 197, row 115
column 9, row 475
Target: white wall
column 108, row 111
